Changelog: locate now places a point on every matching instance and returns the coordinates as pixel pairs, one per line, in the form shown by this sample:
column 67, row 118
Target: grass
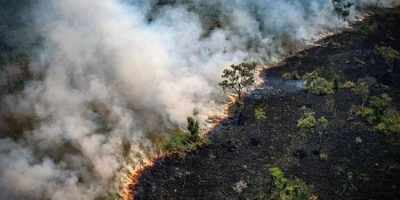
column 182, row 141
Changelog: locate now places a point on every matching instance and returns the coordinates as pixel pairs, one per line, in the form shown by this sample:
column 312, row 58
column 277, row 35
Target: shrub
column 310, row 77
column 388, row 53
column 322, row 86
column 389, row 124
column 362, row 88
column 348, row 85
column 314, row 83
column 291, row 75
column 377, row 115
column 307, row 122
column 380, row 105
column 366, row 113
column 289, row 189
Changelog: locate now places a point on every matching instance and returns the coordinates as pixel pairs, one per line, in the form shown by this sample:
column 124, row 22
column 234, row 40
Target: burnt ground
column 367, row 170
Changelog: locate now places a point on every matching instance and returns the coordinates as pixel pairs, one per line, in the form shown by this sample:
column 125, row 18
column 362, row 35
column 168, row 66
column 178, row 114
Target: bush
column 388, row 53
column 182, row 141
column 366, row 113
column 288, row 189
column 389, row 124
column 380, row 105
column 291, row 75
column 322, row 86
column 310, row 77
column 318, row 85
column 308, row 121
column 348, row 85
column 377, row 115
column 362, row 88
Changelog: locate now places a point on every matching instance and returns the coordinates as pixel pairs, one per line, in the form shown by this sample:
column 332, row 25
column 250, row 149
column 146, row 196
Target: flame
column 130, row 179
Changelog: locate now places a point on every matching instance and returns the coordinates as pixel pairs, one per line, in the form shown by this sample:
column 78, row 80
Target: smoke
column 110, row 73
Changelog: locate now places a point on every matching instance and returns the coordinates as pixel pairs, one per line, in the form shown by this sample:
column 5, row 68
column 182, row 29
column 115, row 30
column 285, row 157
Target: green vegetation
column 379, row 105
column 193, row 126
column 377, row 115
column 308, row 120
column 308, row 123
column 365, row 113
column 316, row 84
column 181, row 141
column 389, row 124
column 289, row 189
column 348, row 85
column 362, row 88
column 291, row 76
column 238, row 78
column 389, row 54
column 259, row 114
column 184, row 140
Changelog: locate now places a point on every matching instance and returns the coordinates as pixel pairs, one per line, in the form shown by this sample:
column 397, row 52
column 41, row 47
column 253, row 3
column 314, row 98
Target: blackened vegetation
column 354, row 161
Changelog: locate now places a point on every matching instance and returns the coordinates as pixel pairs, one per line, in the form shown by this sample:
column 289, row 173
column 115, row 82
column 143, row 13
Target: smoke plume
column 108, row 74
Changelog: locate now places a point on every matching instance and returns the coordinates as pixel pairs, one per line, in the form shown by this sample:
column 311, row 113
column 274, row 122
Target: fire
column 131, row 178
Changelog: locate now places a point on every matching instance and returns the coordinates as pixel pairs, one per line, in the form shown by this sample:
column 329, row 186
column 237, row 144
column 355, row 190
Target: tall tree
column 259, row 113
column 238, row 78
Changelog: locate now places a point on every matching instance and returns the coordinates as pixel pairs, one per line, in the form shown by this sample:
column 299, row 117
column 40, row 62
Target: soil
column 361, row 164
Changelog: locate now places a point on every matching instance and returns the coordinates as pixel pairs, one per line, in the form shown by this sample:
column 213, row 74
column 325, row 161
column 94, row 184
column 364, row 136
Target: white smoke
column 110, row 77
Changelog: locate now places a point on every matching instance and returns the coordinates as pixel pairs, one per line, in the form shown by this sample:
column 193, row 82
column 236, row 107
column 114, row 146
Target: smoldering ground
column 109, row 73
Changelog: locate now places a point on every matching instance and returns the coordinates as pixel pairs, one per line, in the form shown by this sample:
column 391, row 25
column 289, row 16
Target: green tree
column 306, row 123
column 238, row 78
column 259, row 114
column 362, row 89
